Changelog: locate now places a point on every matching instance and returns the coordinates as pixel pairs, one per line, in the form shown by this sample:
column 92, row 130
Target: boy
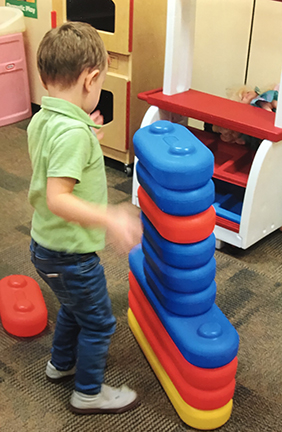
column 69, row 194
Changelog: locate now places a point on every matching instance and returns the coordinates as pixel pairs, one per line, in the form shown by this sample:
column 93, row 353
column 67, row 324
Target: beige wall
column 266, row 53
column 221, row 42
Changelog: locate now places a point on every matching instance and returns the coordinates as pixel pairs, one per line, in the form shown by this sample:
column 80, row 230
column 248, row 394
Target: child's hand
column 124, row 227
column 97, row 117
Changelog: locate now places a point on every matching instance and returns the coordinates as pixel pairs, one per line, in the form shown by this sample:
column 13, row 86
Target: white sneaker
column 56, row 376
column 109, row 401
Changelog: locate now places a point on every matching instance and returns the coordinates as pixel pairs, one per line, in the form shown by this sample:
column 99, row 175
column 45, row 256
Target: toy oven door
column 112, row 18
column 114, row 106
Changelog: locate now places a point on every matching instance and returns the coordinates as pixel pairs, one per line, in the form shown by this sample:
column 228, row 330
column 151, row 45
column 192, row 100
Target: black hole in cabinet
column 106, row 106
column 98, row 13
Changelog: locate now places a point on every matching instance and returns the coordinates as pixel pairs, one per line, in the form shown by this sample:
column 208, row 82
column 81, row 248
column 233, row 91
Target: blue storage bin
column 208, row 340
column 228, row 202
column 173, row 156
column 180, row 255
column 175, row 202
column 180, row 280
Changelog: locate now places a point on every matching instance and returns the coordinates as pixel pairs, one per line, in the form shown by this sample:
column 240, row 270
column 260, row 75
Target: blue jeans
column 85, row 321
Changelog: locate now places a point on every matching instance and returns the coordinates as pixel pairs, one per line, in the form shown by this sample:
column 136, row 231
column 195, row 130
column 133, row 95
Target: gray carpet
column 248, row 292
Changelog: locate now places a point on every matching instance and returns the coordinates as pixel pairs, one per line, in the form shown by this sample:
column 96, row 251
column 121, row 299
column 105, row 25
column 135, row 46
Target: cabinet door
column 221, row 44
column 112, row 18
column 116, row 112
column 266, row 49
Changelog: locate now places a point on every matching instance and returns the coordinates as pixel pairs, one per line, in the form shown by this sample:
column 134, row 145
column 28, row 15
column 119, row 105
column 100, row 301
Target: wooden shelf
column 218, row 111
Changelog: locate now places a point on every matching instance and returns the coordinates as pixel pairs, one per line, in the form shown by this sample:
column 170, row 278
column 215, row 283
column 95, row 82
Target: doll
column 266, row 100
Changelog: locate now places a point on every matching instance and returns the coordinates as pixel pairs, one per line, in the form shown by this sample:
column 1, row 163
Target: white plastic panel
column 179, row 46
column 262, row 207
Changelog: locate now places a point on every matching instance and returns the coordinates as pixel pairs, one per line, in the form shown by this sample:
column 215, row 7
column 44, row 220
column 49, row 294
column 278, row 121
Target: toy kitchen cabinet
column 134, row 35
column 135, row 40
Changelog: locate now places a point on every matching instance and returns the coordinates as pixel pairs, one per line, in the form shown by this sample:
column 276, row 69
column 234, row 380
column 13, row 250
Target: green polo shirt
column 61, row 143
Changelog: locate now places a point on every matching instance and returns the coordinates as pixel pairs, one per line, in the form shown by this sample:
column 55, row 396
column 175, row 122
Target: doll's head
column 244, row 94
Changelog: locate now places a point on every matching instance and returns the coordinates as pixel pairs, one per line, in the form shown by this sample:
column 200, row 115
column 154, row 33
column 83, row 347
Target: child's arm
column 122, row 222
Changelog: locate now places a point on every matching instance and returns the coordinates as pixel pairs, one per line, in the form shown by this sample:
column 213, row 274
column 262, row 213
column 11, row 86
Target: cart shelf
column 217, row 111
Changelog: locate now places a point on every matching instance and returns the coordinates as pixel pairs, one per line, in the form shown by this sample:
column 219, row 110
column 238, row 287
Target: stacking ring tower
column 188, row 341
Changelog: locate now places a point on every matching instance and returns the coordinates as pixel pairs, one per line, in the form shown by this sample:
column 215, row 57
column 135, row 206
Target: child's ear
column 42, row 83
column 90, row 79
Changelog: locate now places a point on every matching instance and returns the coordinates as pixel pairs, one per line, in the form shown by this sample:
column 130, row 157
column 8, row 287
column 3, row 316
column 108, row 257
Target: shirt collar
column 68, row 109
